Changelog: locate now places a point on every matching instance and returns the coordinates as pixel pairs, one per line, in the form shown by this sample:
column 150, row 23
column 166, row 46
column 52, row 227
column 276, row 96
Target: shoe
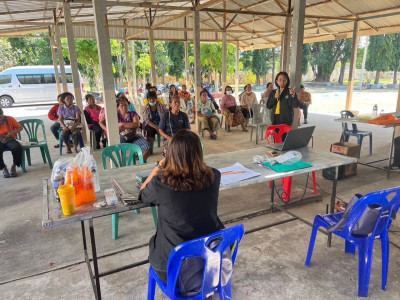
column 6, row 174
column 97, row 146
column 57, row 146
column 13, row 174
column 305, row 122
column 393, row 168
column 104, row 142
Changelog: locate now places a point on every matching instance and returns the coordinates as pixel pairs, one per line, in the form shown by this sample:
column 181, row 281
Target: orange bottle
column 73, row 177
column 88, row 185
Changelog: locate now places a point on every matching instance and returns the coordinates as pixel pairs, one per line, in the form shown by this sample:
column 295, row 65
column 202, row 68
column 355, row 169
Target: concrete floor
column 48, row 264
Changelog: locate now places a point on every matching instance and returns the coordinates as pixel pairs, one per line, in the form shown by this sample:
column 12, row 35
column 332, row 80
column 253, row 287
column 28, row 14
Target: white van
column 31, row 84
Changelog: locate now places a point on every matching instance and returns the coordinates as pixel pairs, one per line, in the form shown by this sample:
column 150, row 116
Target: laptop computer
column 296, row 138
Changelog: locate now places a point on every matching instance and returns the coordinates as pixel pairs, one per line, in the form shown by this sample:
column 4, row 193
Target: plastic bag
column 58, row 174
column 79, row 174
column 287, row 158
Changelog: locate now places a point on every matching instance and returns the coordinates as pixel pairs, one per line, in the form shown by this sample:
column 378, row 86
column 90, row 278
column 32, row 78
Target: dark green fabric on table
column 280, row 168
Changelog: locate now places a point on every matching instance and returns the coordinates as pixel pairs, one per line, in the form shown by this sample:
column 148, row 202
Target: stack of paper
column 236, row 173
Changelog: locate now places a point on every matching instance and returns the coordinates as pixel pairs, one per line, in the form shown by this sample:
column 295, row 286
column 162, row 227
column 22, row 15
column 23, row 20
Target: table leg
column 95, row 266
column 272, row 194
column 333, row 198
column 390, row 155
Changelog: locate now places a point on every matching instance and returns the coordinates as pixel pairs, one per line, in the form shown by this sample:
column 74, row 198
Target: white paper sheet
column 233, row 178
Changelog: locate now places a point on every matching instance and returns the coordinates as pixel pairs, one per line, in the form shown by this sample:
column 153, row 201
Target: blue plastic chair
column 365, row 244
column 211, row 283
column 122, row 155
column 60, row 141
column 354, row 132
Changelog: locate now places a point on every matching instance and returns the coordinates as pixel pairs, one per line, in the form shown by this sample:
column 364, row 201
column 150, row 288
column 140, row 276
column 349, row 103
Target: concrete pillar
column 187, row 73
column 286, row 48
column 61, row 58
column 237, row 72
column 152, row 58
column 54, row 58
column 134, row 81
column 73, row 58
column 353, row 59
column 197, row 61
column 128, row 68
column 297, row 50
column 104, row 49
column 224, row 53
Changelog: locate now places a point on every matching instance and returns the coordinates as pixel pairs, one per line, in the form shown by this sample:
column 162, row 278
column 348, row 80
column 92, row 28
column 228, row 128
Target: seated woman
column 186, row 193
column 248, row 98
column 172, row 121
column 131, row 106
column 206, row 113
column 9, row 127
column 92, row 112
column 231, row 111
column 128, row 125
column 152, row 115
column 172, row 92
column 70, row 121
column 53, row 115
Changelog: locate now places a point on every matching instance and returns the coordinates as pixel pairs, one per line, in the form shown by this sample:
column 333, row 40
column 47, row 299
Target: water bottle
column 96, row 180
column 374, row 111
column 382, row 112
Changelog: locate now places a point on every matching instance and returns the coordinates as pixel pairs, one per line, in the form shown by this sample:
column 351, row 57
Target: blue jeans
column 54, row 129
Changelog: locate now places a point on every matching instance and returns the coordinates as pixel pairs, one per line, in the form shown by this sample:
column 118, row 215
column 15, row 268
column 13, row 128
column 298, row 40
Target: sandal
column 13, row 174
column 69, row 151
column 6, row 174
column 57, row 146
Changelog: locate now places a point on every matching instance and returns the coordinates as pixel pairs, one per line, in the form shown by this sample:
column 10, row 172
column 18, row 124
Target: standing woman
column 92, row 112
column 152, row 115
column 172, row 92
column 231, row 111
column 70, row 119
column 186, row 193
column 9, row 127
column 282, row 100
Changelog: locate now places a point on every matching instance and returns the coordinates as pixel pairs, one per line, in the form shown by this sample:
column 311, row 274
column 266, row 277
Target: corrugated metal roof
column 331, row 18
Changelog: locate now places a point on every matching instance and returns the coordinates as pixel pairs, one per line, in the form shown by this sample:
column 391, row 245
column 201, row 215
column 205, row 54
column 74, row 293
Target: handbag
column 129, row 135
column 232, row 109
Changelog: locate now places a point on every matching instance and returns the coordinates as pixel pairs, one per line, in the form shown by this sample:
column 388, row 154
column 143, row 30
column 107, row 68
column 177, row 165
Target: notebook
column 296, row 138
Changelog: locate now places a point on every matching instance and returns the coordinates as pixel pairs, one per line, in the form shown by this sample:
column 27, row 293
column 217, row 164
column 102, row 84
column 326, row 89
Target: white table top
column 126, row 177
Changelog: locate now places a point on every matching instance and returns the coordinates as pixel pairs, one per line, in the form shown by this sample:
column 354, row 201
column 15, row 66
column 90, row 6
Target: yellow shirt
column 278, row 104
column 146, row 101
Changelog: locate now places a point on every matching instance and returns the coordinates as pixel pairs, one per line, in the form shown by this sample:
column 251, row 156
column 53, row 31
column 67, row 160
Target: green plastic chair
column 158, row 143
column 31, row 127
column 123, row 155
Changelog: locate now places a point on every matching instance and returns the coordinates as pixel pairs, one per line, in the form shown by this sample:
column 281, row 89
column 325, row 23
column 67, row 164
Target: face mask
column 152, row 103
column 229, row 92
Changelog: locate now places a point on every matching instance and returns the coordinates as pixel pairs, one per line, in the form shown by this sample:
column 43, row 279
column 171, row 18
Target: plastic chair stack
column 364, row 244
column 31, row 128
column 261, row 119
column 277, row 131
column 212, row 272
column 354, row 132
column 123, row 155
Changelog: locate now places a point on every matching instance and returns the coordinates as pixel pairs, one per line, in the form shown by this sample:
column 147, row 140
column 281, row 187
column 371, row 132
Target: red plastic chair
column 277, row 131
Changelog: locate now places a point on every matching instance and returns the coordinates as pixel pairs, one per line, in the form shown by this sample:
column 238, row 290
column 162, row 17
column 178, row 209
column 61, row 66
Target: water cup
column 67, row 199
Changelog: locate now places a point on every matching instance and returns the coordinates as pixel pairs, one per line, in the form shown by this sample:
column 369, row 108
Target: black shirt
column 182, row 216
column 287, row 102
column 171, row 123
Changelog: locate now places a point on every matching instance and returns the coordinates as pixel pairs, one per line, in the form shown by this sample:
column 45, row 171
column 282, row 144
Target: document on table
column 236, row 173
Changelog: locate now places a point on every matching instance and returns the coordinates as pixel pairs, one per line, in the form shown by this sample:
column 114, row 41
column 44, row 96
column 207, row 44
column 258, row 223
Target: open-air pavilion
column 242, row 23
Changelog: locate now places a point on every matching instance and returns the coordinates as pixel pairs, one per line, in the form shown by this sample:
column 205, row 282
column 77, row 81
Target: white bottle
column 374, row 111
column 96, row 180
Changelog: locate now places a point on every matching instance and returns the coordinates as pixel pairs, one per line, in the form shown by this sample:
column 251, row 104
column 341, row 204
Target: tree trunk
column 378, row 74
column 395, row 77
column 209, row 77
column 216, row 81
column 342, row 70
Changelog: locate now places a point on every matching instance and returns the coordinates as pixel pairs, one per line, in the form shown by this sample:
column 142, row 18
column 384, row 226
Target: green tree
column 246, row 57
column 380, row 54
column 7, row 55
column 88, row 60
column 31, row 51
column 395, row 65
column 346, row 53
column 163, row 62
column 260, row 64
column 323, row 58
column 306, row 58
column 176, row 54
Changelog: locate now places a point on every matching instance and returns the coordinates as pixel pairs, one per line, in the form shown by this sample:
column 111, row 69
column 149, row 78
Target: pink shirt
column 227, row 101
column 94, row 113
